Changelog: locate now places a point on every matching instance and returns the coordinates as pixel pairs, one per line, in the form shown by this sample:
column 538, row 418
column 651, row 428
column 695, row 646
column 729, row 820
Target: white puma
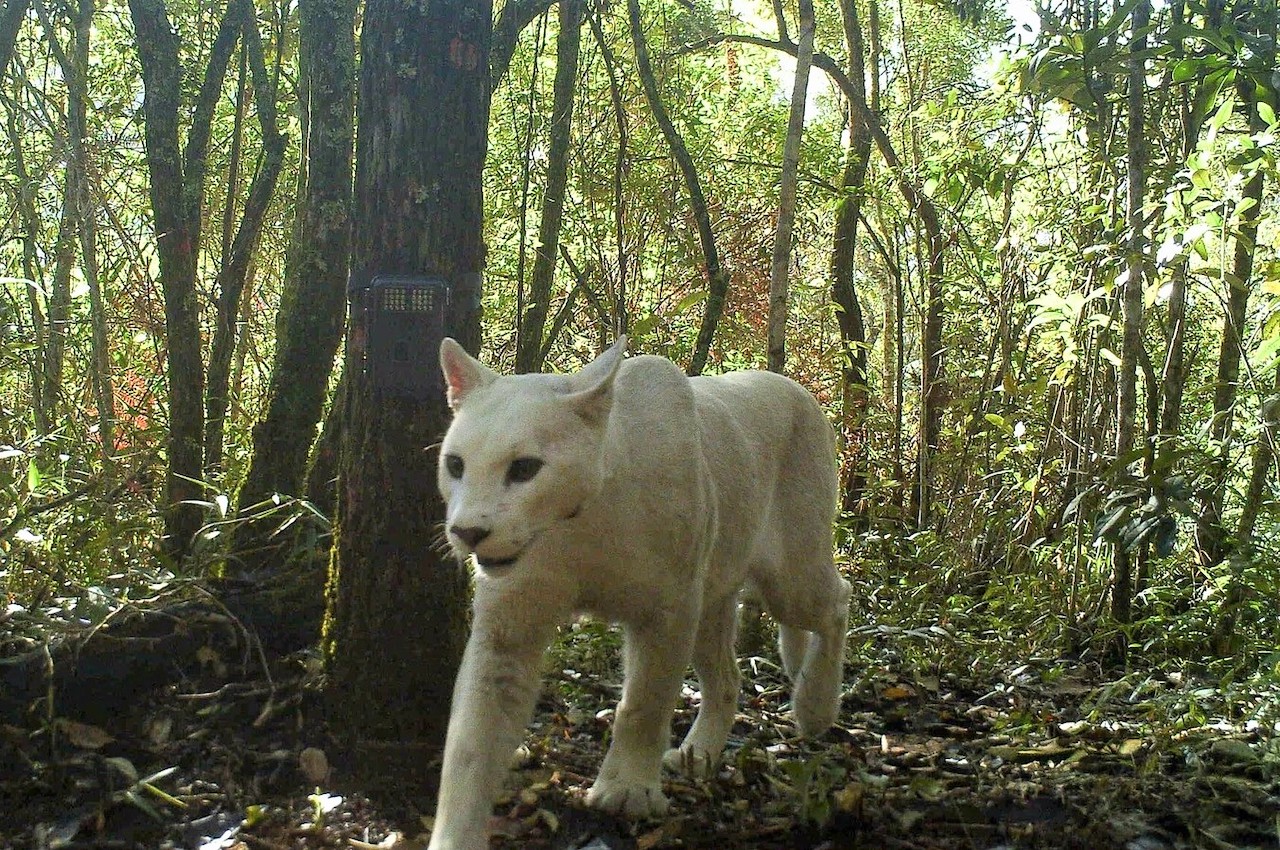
column 636, row 494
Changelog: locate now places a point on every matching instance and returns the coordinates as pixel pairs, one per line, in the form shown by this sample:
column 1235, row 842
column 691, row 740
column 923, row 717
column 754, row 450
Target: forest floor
column 1036, row 757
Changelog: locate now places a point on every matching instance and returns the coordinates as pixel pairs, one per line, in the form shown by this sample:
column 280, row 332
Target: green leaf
column 1118, row 17
column 645, row 325
column 696, row 297
column 1110, row 522
column 1166, row 537
column 1207, row 95
column 1073, row 507
column 1223, row 113
column 34, row 476
column 1136, row 533
column 1266, row 113
column 1186, row 69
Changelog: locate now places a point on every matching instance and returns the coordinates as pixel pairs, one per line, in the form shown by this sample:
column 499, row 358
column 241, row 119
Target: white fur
column 660, row 497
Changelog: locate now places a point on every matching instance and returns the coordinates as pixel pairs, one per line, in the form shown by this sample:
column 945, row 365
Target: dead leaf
column 549, row 819
column 649, row 839
column 898, row 692
column 83, row 735
column 1131, row 746
column 315, row 765
column 209, row 656
column 849, row 798
column 159, row 730
column 1047, row 750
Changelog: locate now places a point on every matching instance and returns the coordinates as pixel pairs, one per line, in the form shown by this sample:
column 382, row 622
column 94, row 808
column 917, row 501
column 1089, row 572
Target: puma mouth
column 497, row 565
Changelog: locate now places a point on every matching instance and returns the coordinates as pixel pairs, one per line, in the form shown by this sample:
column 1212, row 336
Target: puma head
column 523, row 454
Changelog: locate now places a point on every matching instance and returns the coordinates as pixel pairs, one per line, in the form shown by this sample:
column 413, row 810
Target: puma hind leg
column 813, row 622
column 815, row 696
column 716, row 664
column 792, row 645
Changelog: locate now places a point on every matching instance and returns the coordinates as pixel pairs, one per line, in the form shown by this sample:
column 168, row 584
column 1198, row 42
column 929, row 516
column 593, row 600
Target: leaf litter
column 931, row 762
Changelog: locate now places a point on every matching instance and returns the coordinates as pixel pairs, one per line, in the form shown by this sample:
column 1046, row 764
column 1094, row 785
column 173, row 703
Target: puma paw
column 443, row 842
column 691, row 761
column 636, row 801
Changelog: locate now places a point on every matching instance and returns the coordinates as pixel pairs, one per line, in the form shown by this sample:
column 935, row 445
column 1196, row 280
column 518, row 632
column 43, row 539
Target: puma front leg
column 630, row 780
column 493, row 699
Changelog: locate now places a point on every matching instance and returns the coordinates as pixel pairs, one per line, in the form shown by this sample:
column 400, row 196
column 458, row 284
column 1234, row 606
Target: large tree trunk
column 309, row 326
column 177, row 244
column 717, row 276
column 398, row 604
column 534, row 321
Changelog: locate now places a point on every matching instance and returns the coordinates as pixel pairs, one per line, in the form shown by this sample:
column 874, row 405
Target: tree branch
column 717, row 277
column 514, row 17
column 11, row 18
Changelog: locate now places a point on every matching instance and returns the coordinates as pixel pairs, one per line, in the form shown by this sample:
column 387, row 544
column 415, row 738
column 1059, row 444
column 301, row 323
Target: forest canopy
column 1027, row 259
column 1032, row 274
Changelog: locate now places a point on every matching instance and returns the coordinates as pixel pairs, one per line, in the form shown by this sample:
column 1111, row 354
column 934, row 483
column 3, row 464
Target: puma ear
column 462, row 372
column 593, row 386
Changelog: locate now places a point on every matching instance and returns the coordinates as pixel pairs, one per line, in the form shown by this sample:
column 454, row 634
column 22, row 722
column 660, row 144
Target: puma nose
column 471, row 535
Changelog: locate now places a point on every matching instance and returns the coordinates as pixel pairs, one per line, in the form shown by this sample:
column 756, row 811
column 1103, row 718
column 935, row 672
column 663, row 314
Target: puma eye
column 454, row 465
column 523, row 469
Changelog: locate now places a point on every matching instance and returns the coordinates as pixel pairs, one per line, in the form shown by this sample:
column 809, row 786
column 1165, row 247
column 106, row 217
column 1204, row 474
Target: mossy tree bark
column 396, row 625
column 309, row 326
